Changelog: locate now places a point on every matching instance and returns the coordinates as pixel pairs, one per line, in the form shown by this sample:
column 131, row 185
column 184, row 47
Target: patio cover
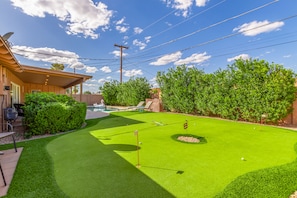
column 36, row 75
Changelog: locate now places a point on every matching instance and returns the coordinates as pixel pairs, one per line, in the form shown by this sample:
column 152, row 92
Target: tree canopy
column 127, row 93
column 57, row 66
column 246, row 90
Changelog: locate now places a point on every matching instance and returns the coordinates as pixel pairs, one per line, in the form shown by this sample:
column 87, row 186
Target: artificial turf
column 34, row 175
column 100, row 160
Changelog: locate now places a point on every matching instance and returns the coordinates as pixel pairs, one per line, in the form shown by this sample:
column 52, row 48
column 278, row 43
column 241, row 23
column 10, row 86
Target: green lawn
column 99, row 160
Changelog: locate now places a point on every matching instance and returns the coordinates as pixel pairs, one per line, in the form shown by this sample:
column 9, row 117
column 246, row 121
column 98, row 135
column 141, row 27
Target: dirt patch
column 188, row 139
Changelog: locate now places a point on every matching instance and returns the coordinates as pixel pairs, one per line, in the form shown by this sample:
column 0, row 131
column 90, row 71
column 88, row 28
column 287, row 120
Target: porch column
column 81, row 91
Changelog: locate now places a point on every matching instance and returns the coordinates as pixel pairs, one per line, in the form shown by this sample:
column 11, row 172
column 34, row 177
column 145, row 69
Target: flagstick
column 137, row 143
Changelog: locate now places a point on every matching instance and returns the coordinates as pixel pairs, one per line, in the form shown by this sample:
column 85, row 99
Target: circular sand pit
column 189, row 138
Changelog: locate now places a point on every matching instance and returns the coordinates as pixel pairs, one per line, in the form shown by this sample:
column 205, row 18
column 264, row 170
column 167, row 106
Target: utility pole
column 121, row 67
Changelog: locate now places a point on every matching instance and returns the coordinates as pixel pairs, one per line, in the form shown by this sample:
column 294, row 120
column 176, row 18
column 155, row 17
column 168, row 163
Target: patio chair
column 140, row 105
column 19, row 108
column 146, row 107
column 148, row 104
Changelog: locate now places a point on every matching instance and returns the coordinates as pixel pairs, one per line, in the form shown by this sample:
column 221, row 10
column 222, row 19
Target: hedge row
column 246, row 90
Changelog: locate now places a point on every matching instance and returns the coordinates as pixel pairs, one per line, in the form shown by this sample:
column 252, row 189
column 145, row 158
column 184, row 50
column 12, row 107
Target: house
column 16, row 80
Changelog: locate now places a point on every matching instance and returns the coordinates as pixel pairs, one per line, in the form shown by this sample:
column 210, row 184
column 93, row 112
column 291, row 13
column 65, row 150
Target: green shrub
column 246, row 90
column 51, row 113
column 127, row 93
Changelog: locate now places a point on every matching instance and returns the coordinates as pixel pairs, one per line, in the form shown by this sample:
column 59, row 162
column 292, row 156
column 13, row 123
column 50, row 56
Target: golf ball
column 242, row 159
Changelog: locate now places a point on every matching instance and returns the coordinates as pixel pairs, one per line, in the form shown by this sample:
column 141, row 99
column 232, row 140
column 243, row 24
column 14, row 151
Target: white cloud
column 122, row 29
column 241, row 56
column 147, row 39
column 193, row 59
column 52, row 55
column 91, row 69
column 46, row 54
column 81, row 16
column 121, row 26
column 102, row 80
column 133, row 72
column 137, row 30
column 105, row 69
column 287, row 56
column 257, row 27
column 120, row 22
column 91, row 80
column 90, row 85
column 169, row 58
column 117, row 53
column 153, row 82
column 142, row 44
column 201, row 3
column 184, row 5
column 139, row 44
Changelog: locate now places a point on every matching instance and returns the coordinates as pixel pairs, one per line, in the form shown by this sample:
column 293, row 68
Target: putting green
column 100, row 160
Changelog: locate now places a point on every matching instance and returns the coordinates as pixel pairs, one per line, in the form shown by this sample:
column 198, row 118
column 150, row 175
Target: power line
column 210, row 26
column 171, row 27
column 160, row 19
column 220, row 38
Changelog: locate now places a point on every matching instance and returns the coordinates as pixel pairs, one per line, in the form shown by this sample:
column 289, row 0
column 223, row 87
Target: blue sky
column 159, row 34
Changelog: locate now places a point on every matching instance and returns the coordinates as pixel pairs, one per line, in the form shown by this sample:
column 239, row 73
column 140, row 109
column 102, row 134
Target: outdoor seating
column 19, row 109
column 10, row 115
column 147, row 106
column 6, row 134
column 139, row 106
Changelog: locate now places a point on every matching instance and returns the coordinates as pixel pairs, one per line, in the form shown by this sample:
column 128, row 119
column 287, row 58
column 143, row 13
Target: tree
column 133, row 91
column 75, row 89
column 57, row 67
column 110, row 92
column 126, row 93
column 178, row 88
column 87, row 92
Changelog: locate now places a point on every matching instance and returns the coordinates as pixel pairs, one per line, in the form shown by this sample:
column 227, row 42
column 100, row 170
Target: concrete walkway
column 9, row 161
column 95, row 114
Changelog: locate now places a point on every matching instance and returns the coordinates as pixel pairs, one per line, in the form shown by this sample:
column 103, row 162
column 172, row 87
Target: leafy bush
column 51, row 113
column 110, row 92
column 246, row 90
column 127, row 93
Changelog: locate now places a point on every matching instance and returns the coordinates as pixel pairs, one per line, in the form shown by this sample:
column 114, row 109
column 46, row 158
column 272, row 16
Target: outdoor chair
column 148, row 104
column 139, row 106
column 19, row 109
column 146, row 107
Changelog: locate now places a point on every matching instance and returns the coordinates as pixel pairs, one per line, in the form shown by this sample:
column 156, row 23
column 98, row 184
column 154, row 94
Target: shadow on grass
column 278, row 181
column 166, row 169
column 88, row 168
column 114, row 120
column 123, row 147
